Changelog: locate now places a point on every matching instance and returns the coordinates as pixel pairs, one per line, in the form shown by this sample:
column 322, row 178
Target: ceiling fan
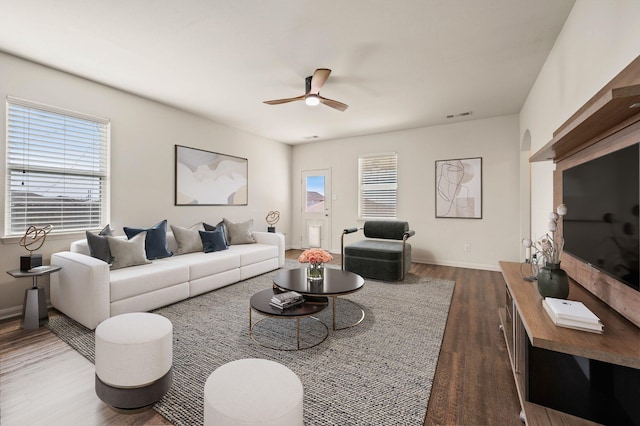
column 312, row 97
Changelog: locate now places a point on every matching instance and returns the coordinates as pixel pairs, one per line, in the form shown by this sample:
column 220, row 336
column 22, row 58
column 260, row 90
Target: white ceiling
column 397, row 64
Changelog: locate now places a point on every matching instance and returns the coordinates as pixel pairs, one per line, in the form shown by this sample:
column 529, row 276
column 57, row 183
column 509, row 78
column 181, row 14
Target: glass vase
column 553, row 281
column 315, row 272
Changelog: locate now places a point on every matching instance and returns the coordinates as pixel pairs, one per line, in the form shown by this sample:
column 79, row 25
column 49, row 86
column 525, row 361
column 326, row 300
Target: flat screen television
column 601, row 225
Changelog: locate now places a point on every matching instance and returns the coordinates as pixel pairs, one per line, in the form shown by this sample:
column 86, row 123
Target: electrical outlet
column 467, row 247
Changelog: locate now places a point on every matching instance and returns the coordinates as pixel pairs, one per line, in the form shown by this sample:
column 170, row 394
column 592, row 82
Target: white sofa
column 86, row 290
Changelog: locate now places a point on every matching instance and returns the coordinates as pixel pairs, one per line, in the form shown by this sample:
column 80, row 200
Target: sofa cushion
column 98, row 245
column 239, row 233
column 188, row 240
column 213, row 240
column 156, row 242
column 156, row 275
column 205, row 264
column 127, row 253
column 254, row 253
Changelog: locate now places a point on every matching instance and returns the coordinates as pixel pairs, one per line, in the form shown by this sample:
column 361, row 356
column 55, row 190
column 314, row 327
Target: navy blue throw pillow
column 221, row 226
column 155, row 244
column 213, row 240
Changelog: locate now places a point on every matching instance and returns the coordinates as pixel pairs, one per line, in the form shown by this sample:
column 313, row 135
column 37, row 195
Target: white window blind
column 378, row 185
column 57, row 169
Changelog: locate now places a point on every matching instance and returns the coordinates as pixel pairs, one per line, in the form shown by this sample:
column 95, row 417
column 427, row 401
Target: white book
column 569, row 323
column 571, row 310
column 286, row 297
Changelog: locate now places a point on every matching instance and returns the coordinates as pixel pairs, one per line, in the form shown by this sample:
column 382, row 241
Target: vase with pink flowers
column 316, row 258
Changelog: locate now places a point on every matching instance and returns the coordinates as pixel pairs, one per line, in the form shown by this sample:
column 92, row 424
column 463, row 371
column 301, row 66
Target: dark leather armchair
column 384, row 254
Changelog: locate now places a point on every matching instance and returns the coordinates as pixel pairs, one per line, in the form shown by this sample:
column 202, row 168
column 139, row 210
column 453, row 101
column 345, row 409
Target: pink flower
column 315, row 255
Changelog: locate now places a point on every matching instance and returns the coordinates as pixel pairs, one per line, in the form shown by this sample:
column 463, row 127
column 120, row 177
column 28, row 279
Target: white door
column 316, row 209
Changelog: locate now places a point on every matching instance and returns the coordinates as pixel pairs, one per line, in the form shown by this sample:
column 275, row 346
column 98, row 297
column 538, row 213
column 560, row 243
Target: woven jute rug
column 379, row 372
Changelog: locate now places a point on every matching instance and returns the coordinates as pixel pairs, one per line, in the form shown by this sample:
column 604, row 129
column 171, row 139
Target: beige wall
column 143, row 135
column 439, row 241
column 597, row 41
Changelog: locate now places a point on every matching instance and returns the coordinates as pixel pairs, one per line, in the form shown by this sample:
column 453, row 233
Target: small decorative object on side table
column 34, row 308
column 32, row 240
column 272, row 218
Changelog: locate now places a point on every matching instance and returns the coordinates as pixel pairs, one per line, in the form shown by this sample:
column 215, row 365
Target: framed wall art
column 459, row 188
column 207, row 178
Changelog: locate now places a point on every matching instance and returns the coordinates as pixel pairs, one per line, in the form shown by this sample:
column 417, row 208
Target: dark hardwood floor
column 44, row 381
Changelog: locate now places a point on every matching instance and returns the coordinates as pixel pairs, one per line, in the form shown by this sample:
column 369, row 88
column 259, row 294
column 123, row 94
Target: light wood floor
column 45, row 382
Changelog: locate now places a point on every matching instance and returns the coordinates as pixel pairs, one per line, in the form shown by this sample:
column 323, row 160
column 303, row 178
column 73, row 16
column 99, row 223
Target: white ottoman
column 251, row 392
column 134, row 353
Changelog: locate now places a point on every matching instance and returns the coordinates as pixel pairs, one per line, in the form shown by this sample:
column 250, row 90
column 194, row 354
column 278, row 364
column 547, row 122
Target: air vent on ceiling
column 462, row 114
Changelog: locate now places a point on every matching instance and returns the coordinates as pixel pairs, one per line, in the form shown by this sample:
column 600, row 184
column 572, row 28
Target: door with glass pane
column 316, row 209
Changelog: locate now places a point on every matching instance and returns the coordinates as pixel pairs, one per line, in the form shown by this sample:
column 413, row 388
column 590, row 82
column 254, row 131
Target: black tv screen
column 601, row 225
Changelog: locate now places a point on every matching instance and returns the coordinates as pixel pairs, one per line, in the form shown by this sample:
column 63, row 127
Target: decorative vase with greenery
column 552, row 280
column 316, row 258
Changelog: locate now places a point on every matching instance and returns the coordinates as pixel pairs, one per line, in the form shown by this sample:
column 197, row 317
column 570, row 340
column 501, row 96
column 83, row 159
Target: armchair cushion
column 385, row 229
column 382, row 250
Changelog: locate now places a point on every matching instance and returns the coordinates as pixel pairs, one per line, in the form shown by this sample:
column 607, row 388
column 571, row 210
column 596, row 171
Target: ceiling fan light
column 312, row 100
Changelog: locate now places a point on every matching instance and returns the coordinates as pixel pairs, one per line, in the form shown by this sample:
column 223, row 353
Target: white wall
column 440, row 241
column 143, row 135
column 597, row 41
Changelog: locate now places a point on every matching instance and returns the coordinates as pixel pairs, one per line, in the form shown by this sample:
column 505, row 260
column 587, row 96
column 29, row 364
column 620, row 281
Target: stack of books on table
column 572, row 314
column 286, row 300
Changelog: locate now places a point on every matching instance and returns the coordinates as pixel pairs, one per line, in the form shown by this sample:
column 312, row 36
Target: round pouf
column 134, row 353
column 251, row 392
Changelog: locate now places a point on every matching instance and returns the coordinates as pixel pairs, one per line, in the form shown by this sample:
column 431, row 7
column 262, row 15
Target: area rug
column 379, row 372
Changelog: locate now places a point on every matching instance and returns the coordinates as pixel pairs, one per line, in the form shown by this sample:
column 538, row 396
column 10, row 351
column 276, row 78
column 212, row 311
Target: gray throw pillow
column 239, row 233
column 98, row 245
column 128, row 252
column 188, row 240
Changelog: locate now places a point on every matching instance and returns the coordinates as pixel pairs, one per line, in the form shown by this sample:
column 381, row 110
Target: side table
column 34, row 308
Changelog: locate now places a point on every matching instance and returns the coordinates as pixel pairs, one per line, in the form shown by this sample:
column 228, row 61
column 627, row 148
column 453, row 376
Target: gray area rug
column 379, row 372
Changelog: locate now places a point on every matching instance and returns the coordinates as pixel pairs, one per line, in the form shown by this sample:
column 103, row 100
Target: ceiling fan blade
column 333, row 104
column 284, row 101
column 319, row 77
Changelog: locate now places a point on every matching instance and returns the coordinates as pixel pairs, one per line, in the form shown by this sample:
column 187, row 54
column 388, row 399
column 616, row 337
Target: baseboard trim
column 456, row 264
column 16, row 311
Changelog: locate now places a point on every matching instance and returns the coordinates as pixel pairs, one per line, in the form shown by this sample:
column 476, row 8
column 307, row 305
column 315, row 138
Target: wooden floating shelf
column 607, row 114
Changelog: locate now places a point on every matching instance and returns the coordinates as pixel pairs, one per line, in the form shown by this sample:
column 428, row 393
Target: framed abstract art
column 459, row 188
column 207, row 178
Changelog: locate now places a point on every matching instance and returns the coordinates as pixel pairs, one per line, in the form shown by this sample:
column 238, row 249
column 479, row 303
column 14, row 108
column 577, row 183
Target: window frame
column 384, row 186
column 59, row 165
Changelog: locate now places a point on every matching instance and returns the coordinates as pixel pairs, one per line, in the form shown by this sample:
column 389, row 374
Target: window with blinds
column 57, row 169
column 378, row 186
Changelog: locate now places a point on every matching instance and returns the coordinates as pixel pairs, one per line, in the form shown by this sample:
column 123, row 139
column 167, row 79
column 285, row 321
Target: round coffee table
column 335, row 283
column 260, row 303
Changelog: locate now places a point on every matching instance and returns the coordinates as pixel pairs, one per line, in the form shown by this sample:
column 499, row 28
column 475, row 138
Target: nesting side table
column 34, row 308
